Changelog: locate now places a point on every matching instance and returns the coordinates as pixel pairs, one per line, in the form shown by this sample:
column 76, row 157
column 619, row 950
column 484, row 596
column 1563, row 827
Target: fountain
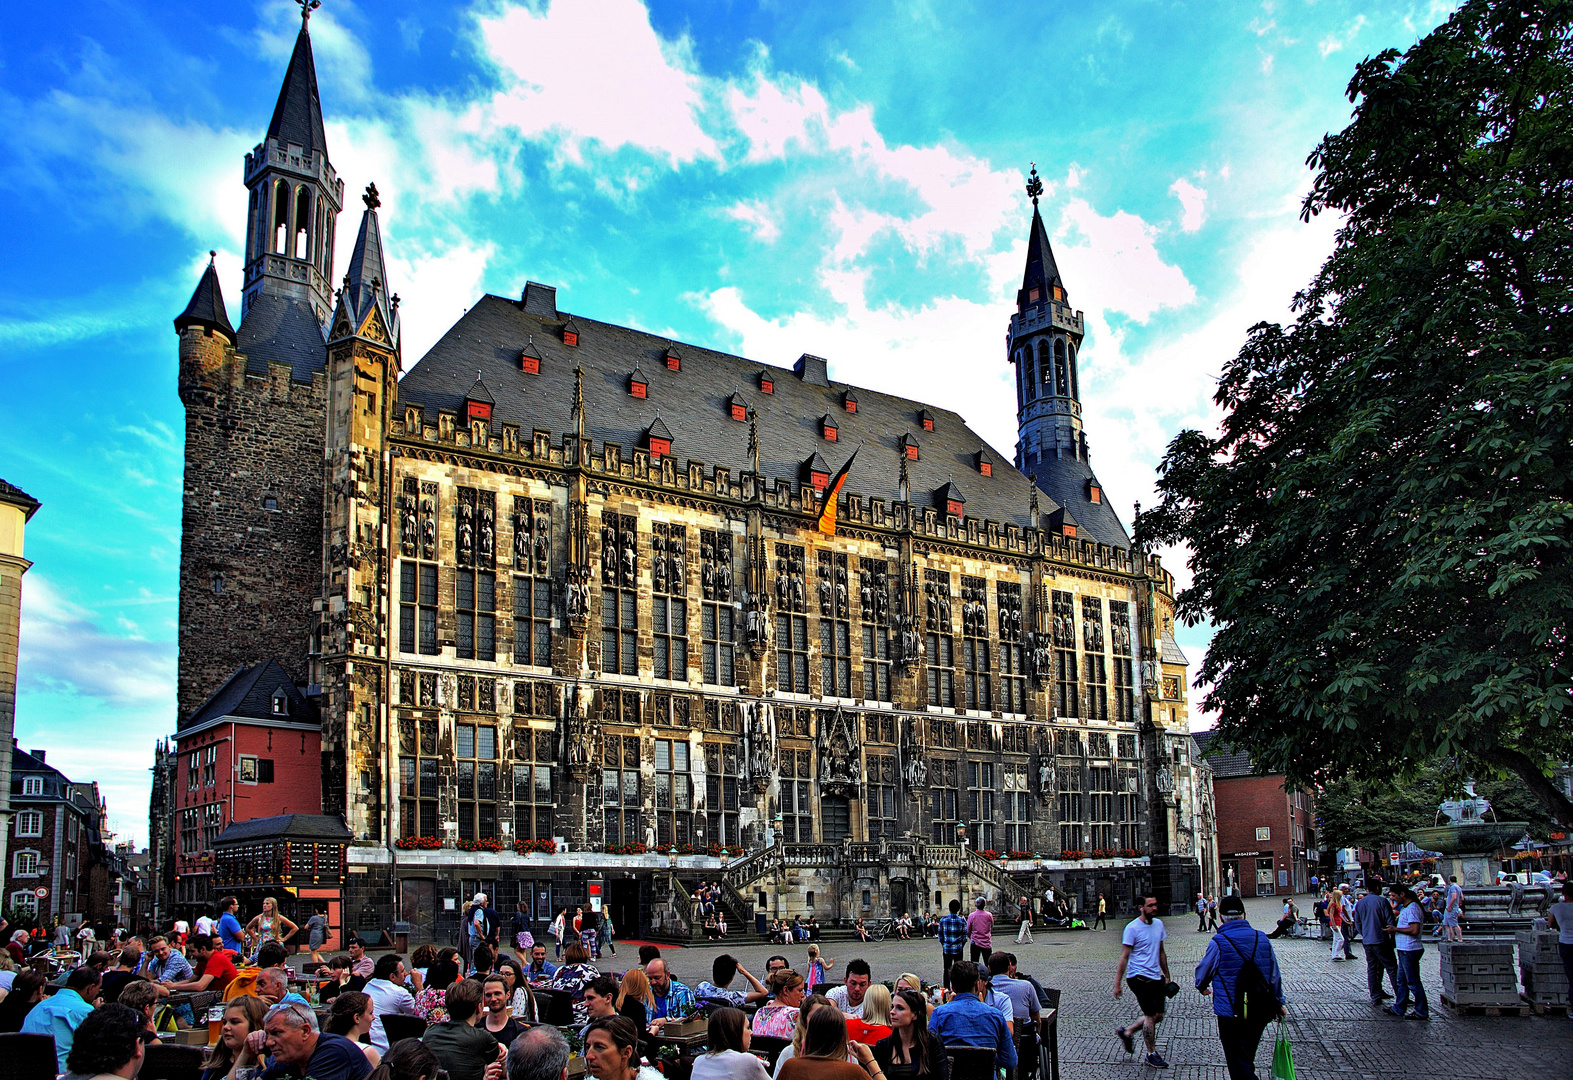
column 1468, row 842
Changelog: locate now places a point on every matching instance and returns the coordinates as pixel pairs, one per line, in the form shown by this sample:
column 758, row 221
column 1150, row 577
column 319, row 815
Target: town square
column 851, row 542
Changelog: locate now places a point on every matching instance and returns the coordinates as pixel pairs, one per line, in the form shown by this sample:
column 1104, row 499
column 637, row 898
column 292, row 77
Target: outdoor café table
column 1049, row 1043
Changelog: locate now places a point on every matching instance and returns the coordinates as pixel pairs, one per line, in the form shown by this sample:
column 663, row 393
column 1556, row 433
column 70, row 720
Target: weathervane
column 306, row 8
column 1034, row 185
column 371, row 198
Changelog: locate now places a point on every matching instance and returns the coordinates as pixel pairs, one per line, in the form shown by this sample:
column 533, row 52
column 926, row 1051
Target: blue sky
column 843, row 179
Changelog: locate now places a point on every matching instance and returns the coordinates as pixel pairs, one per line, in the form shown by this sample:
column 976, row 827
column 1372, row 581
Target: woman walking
column 316, row 934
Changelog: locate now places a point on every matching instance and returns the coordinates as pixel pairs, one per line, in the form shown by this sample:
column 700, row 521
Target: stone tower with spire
column 1051, row 447
column 251, row 557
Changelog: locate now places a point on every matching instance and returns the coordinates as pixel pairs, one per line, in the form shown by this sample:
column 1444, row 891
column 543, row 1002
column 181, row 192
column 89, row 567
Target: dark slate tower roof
column 693, row 404
column 1041, row 270
column 366, row 280
column 282, row 330
column 249, row 693
column 206, row 308
column 297, row 118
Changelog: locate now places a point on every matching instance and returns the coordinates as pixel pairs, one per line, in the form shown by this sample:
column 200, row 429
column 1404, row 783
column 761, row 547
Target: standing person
column 229, row 928
column 1374, row 920
column 1201, row 913
column 477, row 925
column 1409, row 947
column 589, row 936
column 607, row 933
column 1102, row 921
column 1024, row 931
column 269, row 925
column 952, row 939
column 1315, row 884
column 1212, row 912
column 206, row 925
column 980, row 930
column 557, row 929
column 1144, row 967
column 1452, row 913
column 316, row 934
column 1238, row 997
column 1560, row 919
column 1335, row 923
column 818, row 968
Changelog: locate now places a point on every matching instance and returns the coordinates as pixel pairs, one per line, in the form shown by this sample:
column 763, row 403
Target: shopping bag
column 1283, row 1055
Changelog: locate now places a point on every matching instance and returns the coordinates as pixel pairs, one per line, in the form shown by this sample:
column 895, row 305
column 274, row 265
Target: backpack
column 1253, row 997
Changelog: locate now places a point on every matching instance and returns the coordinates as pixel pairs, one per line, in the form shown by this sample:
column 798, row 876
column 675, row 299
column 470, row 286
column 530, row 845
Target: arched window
column 322, row 232
column 1075, row 390
column 1062, row 381
column 255, row 232
column 1037, row 369
column 1021, row 380
column 302, row 245
column 281, row 218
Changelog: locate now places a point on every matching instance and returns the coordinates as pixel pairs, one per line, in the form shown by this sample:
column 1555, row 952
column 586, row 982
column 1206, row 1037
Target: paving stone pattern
column 1335, row 1030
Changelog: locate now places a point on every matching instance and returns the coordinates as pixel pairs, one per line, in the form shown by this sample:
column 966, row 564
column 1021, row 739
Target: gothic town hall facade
column 557, row 602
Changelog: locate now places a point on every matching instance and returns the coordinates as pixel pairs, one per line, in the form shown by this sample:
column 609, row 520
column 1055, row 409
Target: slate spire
column 1041, row 272
column 366, row 280
column 206, row 308
column 297, row 118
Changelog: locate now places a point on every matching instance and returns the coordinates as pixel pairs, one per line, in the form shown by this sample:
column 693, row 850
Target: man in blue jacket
column 1236, row 944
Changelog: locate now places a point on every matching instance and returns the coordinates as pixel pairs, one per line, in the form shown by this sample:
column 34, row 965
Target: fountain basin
column 1469, row 837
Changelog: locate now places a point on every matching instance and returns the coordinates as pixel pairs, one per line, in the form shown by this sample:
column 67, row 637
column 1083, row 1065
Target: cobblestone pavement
column 1335, row 1030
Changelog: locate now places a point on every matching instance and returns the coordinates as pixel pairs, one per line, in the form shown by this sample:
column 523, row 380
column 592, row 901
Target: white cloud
column 64, row 650
column 595, row 70
column 1116, row 264
column 1335, row 42
column 755, row 215
column 435, row 289
column 1193, row 204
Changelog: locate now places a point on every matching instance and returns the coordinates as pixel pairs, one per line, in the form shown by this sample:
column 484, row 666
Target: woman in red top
column 875, row 1022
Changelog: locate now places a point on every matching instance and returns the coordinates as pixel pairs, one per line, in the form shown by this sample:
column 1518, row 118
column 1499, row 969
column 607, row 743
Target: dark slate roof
column 1226, row 764
column 249, row 694
column 1171, row 650
column 366, row 281
column 1064, row 479
column 206, row 308
column 948, row 492
column 1041, row 269
column 478, row 393
column 17, row 497
column 293, row 826
column 297, row 118
column 492, row 334
column 282, row 330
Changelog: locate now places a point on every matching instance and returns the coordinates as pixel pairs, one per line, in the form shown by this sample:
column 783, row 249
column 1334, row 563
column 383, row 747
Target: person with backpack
column 1241, row 974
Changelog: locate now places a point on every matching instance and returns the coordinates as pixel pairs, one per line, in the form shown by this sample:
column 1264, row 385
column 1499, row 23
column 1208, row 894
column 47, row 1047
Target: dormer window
column 767, row 383
column 1032, row 295
column 985, row 466
column 32, row 785
column 849, row 401
column 478, row 402
column 658, row 440
column 1059, row 294
column 738, row 407
column 1094, row 491
column 817, row 472
column 909, row 446
column 280, row 702
column 571, row 333
column 948, row 497
column 674, row 362
column 530, row 359
column 827, row 428
column 926, row 418
column 637, row 386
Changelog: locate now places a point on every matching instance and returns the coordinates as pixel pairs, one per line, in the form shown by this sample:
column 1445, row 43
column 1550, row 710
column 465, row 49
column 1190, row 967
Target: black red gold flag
column 827, row 506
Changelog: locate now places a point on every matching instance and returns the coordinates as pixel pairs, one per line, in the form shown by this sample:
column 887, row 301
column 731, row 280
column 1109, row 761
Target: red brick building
column 56, row 840
column 1266, row 833
column 252, row 750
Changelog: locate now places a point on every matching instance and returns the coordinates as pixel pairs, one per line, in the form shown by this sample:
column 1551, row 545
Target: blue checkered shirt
column 952, row 934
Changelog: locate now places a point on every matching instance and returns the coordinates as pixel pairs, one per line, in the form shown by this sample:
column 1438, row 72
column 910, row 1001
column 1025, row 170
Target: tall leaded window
column 791, row 620
column 1120, row 640
column 721, row 793
column 674, row 792
column 532, row 583
column 668, row 601
column 797, row 794
column 1100, row 798
column 1018, row 807
column 475, row 601
column 1097, row 664
column 619, row 596
column 717, row 624
column 1130, row 806
column 532, row 784
column 945, row 810
column 980, row 803
column 835, row 631
column 975, row 648
column 418, row 567
column 620, row 789
column 1072, row 817
column 418, row 778
column 475, row 748
column 1066, row 697
column 939, row 643
column 880, row 800
column 874, row 594
column 1012, row 669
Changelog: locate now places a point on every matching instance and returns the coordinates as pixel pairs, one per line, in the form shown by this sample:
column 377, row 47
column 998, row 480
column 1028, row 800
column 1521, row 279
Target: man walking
column 1201, row 913
column 1024, row 931
column 980, row 931
column 1102, row 921
column 1373, row 918
column 1452, row 913
column 952, row 939
column 1144, row 967
column 1244, row 1001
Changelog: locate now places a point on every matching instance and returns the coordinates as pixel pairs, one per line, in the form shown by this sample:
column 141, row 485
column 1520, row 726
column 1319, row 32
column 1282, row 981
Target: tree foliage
column 1382, row 529
column 1369, row 812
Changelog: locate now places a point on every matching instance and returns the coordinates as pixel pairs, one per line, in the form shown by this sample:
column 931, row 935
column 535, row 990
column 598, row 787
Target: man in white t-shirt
column 206, row 927
column 1409, row 947
column 1144, row 967
column 1560, row 919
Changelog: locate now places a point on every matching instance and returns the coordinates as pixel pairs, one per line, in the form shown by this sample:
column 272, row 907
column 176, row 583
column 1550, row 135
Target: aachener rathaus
column 563, row 580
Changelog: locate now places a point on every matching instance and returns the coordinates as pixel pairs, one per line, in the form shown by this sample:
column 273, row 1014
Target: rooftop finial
column 306, row 8
column 1034, row 185
column 578, row 401
column 212, row 256
column 371, row 198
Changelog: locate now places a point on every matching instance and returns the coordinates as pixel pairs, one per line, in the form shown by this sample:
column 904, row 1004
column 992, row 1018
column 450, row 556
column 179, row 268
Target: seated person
column 717, row 991
column 462, row 1048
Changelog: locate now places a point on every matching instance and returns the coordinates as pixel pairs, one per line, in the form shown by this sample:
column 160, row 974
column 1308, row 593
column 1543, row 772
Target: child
column 817, row 967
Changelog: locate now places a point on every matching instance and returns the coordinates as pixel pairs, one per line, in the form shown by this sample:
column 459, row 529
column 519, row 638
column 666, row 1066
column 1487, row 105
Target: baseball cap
column 1231, row 905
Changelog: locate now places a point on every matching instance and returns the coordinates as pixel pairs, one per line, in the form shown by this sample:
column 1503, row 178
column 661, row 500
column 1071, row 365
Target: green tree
column 1382, row 529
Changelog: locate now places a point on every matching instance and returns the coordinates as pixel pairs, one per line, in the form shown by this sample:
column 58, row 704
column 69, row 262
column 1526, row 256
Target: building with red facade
column 1266, row 832
column 252, row 750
